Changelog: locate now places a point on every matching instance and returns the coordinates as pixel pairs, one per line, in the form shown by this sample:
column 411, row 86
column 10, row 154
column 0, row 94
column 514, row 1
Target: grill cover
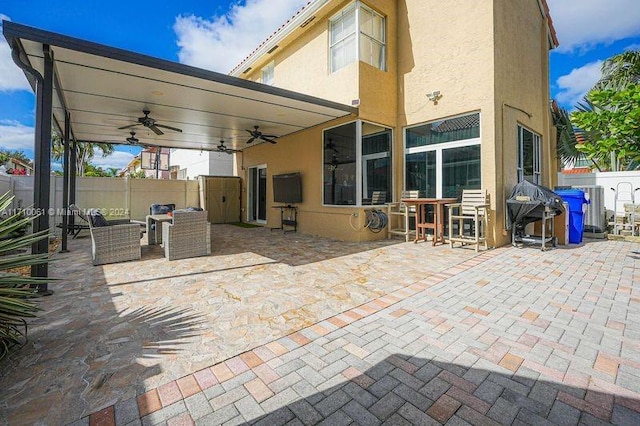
column 527, row 204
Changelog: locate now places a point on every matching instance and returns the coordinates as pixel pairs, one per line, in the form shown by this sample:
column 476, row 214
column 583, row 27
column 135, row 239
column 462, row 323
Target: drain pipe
column 44, row 90
column 15, row 55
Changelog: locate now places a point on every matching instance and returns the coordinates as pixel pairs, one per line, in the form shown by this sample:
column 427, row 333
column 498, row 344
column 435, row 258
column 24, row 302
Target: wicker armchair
column 188, row 236
column 119, row 241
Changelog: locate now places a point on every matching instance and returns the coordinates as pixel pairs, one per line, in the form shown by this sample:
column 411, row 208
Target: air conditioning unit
column 594, row 218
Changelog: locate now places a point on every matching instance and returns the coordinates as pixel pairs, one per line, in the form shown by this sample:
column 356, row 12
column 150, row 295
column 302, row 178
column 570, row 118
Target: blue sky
column 217, row 34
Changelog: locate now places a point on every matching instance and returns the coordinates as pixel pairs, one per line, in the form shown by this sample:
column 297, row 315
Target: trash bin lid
column 573, row 193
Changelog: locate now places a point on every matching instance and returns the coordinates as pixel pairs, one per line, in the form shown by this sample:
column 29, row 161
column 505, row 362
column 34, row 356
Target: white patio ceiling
column 105, row 88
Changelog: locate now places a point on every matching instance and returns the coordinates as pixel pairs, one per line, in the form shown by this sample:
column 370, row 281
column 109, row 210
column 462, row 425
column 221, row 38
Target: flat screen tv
column 287, row 188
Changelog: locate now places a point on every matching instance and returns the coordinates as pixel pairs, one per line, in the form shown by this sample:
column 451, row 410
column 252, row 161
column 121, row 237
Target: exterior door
column 223, row 199
column 257, row 194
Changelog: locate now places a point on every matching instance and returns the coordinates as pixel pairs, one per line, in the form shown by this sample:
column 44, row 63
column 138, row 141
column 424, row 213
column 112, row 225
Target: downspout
column 44, row 91
column 15, row 55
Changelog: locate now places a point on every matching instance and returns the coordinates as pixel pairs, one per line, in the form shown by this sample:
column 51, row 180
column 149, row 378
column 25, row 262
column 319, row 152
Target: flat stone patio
column 113, row 332
column 425, row 335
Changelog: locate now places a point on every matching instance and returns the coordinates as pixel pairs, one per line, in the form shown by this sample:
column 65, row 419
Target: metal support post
column 42, row 162
column 65, row 183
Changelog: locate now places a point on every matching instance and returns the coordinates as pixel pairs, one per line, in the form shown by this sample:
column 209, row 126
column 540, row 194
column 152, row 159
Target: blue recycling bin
column 577, row 201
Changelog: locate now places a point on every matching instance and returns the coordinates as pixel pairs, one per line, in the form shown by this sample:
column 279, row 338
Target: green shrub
column 17, row 290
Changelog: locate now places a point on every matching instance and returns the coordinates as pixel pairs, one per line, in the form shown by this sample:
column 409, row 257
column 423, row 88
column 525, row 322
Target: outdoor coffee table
column 154, row 236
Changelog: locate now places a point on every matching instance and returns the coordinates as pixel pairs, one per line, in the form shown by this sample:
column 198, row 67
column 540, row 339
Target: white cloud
column 14, row 135
column 118, row 159
column 582, row 24
column 635, row 46
column 11, row 77
column 573, row 86
column 221, row 42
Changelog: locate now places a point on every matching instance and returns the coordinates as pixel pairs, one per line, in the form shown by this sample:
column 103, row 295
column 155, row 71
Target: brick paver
column 512, row 336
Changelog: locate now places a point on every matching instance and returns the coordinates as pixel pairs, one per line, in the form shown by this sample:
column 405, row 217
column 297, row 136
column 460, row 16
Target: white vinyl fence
column 115, row 197
column 628, row 181
column 5, row 184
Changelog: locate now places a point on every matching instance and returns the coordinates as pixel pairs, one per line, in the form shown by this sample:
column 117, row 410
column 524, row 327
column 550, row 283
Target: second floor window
column 357, row 33
column 267, row 74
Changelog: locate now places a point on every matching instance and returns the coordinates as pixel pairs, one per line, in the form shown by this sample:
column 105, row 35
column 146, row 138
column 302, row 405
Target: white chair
column 472, row 210
column 378, row 197
column 400, row 215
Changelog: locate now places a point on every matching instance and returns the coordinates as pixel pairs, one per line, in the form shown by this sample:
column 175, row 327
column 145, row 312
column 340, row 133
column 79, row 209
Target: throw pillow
column 97, row 219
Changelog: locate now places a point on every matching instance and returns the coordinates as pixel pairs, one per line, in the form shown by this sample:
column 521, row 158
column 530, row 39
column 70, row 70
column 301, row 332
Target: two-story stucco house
column 450, row 94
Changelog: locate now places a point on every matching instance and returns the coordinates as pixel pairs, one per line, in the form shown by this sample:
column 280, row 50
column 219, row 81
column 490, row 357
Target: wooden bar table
column 422, row 220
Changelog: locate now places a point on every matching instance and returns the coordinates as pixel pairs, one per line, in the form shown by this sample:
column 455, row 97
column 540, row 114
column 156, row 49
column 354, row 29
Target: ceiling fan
column 257, row 134
column 132, row 139
column 331, row 146
column 223, row 148
column 150, row 123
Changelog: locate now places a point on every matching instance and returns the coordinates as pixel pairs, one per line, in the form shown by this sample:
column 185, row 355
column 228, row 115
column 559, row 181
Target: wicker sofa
column 188, row 235
column 114, row 241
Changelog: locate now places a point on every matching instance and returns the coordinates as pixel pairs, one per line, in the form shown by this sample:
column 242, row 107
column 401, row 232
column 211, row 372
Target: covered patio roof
column 105, row 88
column 94, row 93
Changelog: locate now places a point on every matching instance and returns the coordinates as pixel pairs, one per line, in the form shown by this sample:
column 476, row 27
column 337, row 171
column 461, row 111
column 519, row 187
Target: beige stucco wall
column 447, row 47
column 521, row 95
column 378, row 89
column 431, row 45
column 302, row 64
column 302, row 153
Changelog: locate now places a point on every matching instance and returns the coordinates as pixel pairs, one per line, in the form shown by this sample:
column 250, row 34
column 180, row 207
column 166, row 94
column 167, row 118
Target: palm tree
column 112, row 171
column 85, row 151
column 568, row 137
column 16, row 290
column 620, row 71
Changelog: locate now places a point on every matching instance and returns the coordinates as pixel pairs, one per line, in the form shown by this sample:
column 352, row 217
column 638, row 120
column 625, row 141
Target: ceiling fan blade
column 270, row 141
column 175, row 129
column 253, row 138
column 156, row 130
column 269, row 136
column 128, row 127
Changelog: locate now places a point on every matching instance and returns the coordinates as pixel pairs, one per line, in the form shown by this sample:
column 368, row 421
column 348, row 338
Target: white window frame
column 537, row 154
column 267, row 74
column 357, row 33
column 370, row 157
column 438, row 148
column 382, row 42
column 253, row 192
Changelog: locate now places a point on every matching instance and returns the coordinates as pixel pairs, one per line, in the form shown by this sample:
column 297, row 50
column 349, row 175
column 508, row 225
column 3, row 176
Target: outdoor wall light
column 434, row 96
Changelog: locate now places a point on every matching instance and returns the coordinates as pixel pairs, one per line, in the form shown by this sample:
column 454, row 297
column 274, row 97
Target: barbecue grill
column 530, row 203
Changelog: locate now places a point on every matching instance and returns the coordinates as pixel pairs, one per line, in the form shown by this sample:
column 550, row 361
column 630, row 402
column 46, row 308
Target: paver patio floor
column 112, row 332
column 511, row 336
